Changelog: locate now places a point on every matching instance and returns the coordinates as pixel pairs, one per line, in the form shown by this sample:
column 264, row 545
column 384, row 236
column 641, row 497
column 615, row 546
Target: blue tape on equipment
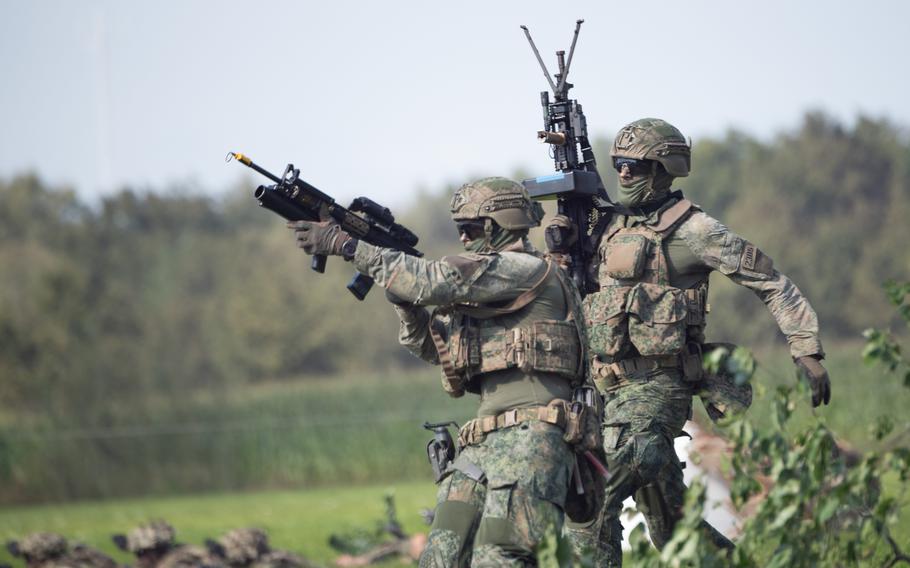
column 552, row 177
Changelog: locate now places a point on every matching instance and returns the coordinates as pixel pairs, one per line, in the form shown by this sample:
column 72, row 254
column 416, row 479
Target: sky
column 385, row 98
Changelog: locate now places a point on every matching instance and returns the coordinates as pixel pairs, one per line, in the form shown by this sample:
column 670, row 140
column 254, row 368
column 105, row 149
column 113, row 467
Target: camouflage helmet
column 504, row 201
column 154, row 535
column 242, row 546
column 654, row 139
column 41, row 547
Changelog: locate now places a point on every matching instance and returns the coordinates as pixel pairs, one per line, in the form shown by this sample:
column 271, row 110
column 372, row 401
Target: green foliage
column 125, row 313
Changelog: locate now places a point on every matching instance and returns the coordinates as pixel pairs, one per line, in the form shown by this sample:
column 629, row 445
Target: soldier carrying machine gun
column 576, row 185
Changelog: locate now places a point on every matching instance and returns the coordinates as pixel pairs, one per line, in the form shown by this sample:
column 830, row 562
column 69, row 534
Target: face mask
column 636, row 193
column 498, row 240
column 646, row 189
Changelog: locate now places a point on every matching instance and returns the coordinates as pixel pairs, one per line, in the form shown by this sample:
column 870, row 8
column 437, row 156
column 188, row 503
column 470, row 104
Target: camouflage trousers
column 641, row 419
column 499, row 520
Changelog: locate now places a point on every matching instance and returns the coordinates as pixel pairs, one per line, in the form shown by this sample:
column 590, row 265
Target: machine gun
column 576, row 185
column 296, row 200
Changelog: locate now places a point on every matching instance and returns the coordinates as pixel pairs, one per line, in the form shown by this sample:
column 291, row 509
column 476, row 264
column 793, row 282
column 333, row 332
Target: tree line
column 148, row 295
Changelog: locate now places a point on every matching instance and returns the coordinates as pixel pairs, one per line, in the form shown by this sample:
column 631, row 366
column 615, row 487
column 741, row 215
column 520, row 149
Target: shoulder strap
column 451, row 382
column 485, row 312
column 672, row 216
column 573, row 309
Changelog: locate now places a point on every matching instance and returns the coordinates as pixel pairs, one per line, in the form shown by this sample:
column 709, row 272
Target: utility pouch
column 583, row 420
column 657, row 319
column 607, row 320
column 555, row 348
column 692, row 363
column 603, row 375
column 575, row 423
column 626, row 256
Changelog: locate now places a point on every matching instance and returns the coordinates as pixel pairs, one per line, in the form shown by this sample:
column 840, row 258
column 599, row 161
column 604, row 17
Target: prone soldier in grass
column 507, row 327
column 50, row 550
column 646, row 325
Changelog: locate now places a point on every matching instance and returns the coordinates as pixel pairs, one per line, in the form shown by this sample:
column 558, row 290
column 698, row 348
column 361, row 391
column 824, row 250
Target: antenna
column 565, row 74
column 539, row 60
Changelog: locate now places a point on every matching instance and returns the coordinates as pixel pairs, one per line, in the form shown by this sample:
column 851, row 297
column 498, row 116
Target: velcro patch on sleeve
column 755, row 261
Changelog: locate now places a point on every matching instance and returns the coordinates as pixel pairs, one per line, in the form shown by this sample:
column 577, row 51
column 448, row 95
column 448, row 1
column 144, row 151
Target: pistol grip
column 318, row 263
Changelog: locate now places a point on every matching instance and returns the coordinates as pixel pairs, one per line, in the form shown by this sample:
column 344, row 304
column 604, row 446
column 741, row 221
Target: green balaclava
column 646, row 189
column 504, row 208
column 495, row 238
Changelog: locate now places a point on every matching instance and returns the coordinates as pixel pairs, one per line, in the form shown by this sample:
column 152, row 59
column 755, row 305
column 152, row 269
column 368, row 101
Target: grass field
column 301, row 521
column 307, row 458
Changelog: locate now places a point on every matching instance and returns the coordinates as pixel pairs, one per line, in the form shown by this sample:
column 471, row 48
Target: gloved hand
column 811, row 367
column 560, row 234
column 319, row 237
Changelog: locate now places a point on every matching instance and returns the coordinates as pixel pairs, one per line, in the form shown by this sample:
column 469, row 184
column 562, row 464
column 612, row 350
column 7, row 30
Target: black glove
column 810, row 366
column 322, row 237
column 560, row 234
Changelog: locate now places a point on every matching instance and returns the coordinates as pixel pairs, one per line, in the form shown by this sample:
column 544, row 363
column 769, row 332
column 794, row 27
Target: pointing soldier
column 646, row 330
column 506, row 327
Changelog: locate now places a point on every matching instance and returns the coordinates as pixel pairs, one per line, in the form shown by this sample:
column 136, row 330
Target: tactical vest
column 637, row 311
column 483, row 339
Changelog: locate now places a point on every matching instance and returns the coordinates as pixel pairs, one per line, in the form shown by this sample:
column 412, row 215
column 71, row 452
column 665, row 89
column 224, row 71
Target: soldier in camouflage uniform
column 49, row 550
column 249, row 548
column 506, row 327
column 154, row 546
column 646, row 330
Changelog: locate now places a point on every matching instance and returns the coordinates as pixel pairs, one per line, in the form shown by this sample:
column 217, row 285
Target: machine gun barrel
column 576, row 184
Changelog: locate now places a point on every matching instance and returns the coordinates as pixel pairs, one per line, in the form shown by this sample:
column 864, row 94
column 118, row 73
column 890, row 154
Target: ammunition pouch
column 548, row 346
column 651, row 317
column 691, row 362
column 626, row 256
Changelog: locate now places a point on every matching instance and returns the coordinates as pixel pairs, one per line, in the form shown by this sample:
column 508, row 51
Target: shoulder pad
column 468, row 266
column 671, row 217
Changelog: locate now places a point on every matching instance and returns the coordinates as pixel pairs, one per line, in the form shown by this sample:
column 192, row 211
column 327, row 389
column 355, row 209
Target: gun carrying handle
column 318, row 263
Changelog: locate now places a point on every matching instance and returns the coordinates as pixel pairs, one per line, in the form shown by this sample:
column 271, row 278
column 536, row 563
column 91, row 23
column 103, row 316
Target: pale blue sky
column 379, row 98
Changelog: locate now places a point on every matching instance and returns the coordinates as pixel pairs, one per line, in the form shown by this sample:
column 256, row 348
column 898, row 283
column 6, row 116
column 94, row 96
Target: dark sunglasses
column 471, row 229
column 636, row 167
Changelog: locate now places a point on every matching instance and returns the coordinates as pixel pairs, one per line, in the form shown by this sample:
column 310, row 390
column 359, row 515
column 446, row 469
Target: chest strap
column 474, row 431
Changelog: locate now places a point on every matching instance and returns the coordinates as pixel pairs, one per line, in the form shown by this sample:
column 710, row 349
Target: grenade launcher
column 296, row 200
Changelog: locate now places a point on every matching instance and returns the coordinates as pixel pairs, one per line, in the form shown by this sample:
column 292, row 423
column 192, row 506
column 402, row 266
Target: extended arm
column 746, row 265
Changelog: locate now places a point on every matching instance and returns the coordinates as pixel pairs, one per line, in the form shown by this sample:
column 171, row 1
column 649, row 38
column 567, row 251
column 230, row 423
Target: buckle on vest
column 509, row 418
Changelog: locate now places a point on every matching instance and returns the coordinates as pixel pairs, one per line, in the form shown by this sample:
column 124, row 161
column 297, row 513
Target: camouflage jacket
column 700, row 244
column 459, row 279
column 483, row 321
